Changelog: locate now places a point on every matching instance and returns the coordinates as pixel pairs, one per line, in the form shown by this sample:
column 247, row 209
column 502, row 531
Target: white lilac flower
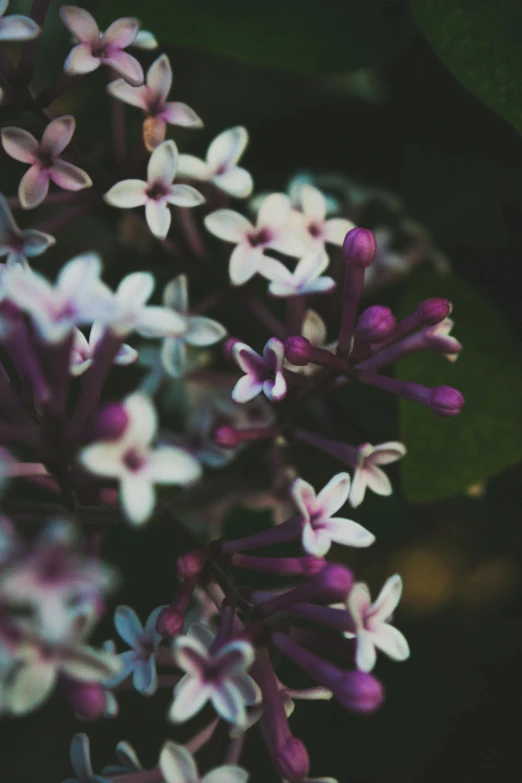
column 44, row 160
column 178, row 766
column 134, row 314
column 367, row 474
column 136, row 465
column 321, row 529
column 312, row 219
column 16, row 27
column 217, row 676
column 83, row 350
column 144, row 641
column 270, row 232
column 262, row 373
column 158, row 192
column 80, row 755
column 200, row 331
column 314, row 329
column 305, row 279
column 220, row 166
column 372, row 628
column 77, row 297
column 96, row 48
column 152, row 99
column 20, row 244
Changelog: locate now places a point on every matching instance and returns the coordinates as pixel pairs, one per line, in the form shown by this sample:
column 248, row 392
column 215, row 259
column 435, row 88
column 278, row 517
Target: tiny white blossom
column 262, row 373
column 83, row 350
column 367, row 474
column 20, row 244
column 312, row 221
column 221, row 167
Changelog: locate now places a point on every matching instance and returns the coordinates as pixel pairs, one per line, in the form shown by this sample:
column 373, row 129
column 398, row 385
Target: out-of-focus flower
column 44, row 159
column 367, row 474
column 20, row 244
column 200, row 331
column 221, row 167
column 80, row 756
column 220, row 677
column 263, row 373
column 83, row 350
column 17, row 27
column 152, row 99
column 312, row 219
column 305, row 279
column 321, row 529
column 144, row 641
column 372, row 628
column 96, row 48
column 314, row 329
column 158, row 192
column 135, row 465
column 178, row 766
column 134, row 314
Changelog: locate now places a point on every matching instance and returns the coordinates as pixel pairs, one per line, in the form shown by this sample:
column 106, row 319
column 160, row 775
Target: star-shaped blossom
column 314, row 329
column 178, row 766
column 17, row 27
column 20, row 244
column 134, row 314
column 217, row 676
column 200, row 331
column 44, row 160
column 367, row 474
column 152, row 99
column 77, row 297
column 83, row 350
column 96, row 48
column 263, row 373
column 138, row 467
column 372, row 628
column 270, row 232
column 80, row 755
column 144, row 641
column 220, row 167
column 305, row 279
column 158, row 192
column 312, row 220
column 320, row 528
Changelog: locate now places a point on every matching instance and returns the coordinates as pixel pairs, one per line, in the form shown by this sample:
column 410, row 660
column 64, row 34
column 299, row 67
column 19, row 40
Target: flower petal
column 314, row 328
column 226, row 149
column 246, row 389
column 128, row 625
column 248, row 360
column 80, row 755
column 311, row 266
column 365, row 654
column 204, row 331
column 33, row 187
column 174, row 356
column 8, row 226
column 80, row 23
column 275, row 389
column 237, row 182
column 20, row 144
column 103, row 459
column 315, row 541
column 190, row 695
column 68, row 176
column 143, row 420
column 359, row 603
column 304, row 498
column 31, row 687
column 126, row 66
column 334, row 495
column 392, row 642
column 274, row 211
column 358, row 488
column 388, row 452
column 228, row 225
column 145, row 40
column 163, row 164
column 175, row 294
column 190, row 655
column 388, row 599
column 227, row 773
column 228, row 702
column 378, row 481
column 158, row 217
column 177, row 764
column 79, row 274
column 58, row 134
column 313, row 202
column 159, row 78
column 170, row 465
column 135, row 289
column 193, row 168
column 177, row 113
column 336, row 229
column 160, row 322
column 80, row 60
column 145, row 678
column 348, row 533
column 36, row 242
column 244, row 263
column 134, row 96
column 184, row 196
column 121, row 33
column 137, row 498
column 18, row 28
column 234, row 658
column 127, row 194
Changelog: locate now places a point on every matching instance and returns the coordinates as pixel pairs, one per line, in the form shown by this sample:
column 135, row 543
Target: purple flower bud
column 227, row 437
column 445, row 401
column 111, row 421
column 374, row 324
column 330, row 586
column 291, row 759
column 192, row 563
column 359, row 247
column 359, row 692
column 88, row 699
column 433, row 311
column 170, row 622
column 297, row 350
column 284, row 566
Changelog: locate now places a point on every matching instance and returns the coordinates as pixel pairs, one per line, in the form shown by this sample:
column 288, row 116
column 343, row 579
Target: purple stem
column 288, row 531
column 341, row 451
column 282, row 566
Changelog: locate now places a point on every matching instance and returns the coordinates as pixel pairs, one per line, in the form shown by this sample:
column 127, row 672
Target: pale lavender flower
column 270, row 232
column 321, row 529
column 152, row 99
column 372, row 628
column 44, row 159
column 367, row 474
column 80, row 755
column 95, row 49
column 220, row 167
column 20, row 244
column 134, row 314
column 178, row 766
column 312, row 219
column 263, row 373
column 16, row 27
column 220, row 677
column 83, row 350
column 131, row 460
column 144, row 641
column 305, row 279
column 158, row 192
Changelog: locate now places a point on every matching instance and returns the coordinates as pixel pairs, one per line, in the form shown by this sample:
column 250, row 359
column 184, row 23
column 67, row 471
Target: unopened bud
column 297, row 350
column 446, row 401
column 291, row 759
column 227, row 437
column 433, row 311
column 169, row 623
column 359, row 692
column 88, row 699
column 374, row 324
column 359, row 247
column 111, row 421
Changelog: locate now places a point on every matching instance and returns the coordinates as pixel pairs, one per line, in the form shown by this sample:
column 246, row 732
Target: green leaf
column 446, row 456
column 331, row 36
column 479, row 42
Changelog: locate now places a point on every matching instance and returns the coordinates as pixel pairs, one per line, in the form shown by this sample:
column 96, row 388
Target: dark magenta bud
column 291, row 759
column 170, row 622
column 333, row 583
column 88, row 699
column 111, row 421
column 374, row 324
column 227, row 437
column 359, row 247
column 192, row 563
column 297, row 350
column 446, row 401
column 359, row 692
column 433, row 311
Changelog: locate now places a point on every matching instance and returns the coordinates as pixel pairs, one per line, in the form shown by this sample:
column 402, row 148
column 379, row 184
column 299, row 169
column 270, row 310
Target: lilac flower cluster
column 77, row 462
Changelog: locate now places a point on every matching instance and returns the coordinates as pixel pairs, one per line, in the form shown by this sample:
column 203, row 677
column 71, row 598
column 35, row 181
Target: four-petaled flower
column 83, row 350
column 372, row 628
column 44, row 159
column 320, row 528
column 17, row 27
column 178, row 766
column 366, row 472
column 95, row 49
column 152, row 99
column 219, row 676
column 137, row 467
column 312, row 219
column 158, row 192
column 221, row 167
column 270, row 232
column 263, row 373
column 305, row 279
column 19, row 244
column 139, row 661
column 200, row 331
